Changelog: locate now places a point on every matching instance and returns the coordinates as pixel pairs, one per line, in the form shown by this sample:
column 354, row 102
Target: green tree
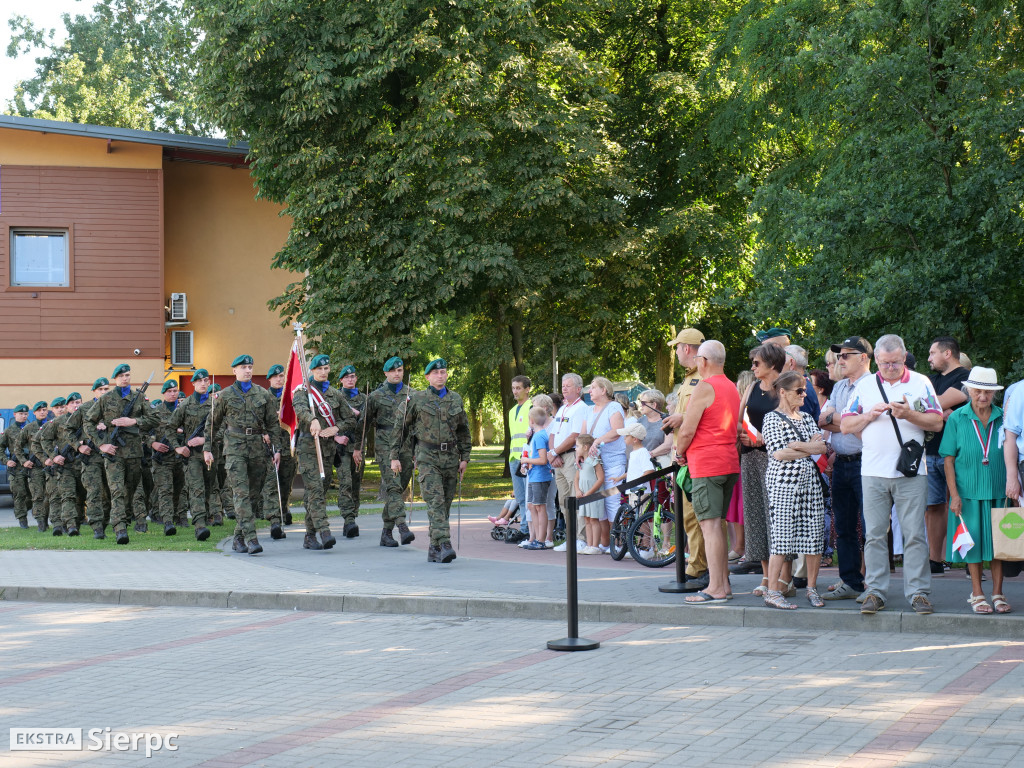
column 130, row 64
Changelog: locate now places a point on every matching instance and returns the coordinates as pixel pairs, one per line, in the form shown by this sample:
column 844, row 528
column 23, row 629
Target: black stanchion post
column 679, row 585
column 573, row 642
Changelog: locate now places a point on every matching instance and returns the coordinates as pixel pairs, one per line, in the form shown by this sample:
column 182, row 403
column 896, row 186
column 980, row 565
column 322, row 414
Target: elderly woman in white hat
column 976, row 476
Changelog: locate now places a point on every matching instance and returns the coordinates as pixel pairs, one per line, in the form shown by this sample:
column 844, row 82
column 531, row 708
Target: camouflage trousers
column 438, row 482
column 315, row 497
column 198, row 483
column 221, row 501
column 343, row 465
column 393, row 487
column 286, row 476
column 53, row 495
column 71, row 493
column 168, row 481
column 40, row 502
column 97, row 495
column 123, row 478
column 18, row 479
column 245, row 477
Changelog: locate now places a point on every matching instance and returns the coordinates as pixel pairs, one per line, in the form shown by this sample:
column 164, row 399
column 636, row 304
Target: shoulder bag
column 911, row 452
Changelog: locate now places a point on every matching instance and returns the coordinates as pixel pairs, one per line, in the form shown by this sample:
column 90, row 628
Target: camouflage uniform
column 348, row 491
column 51, row 476
column 188, row 421
column 244, row 418
column 384, row 413
column 285, row 473
column 65, row 439
column 315, row 500
column 94, row 480
column 124, row 469
column 36, row 476
column 17, row 475
column 439, row 430
column 168, row 473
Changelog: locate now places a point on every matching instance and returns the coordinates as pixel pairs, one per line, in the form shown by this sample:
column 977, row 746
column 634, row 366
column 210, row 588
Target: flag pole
column 305, row 383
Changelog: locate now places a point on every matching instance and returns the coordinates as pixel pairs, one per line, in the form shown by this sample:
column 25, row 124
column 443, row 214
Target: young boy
column 538, row 481
column 640, row 463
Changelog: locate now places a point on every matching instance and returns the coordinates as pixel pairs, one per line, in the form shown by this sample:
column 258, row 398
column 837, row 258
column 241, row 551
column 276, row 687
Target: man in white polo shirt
column 913, row 404
column 562, row 439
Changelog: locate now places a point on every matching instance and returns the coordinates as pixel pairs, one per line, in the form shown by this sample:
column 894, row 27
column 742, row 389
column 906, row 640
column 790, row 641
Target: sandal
column 762, row 589
column 979, row 604
column 788, row 588
column 814, row 598
column 775, row 599
column 1001, row 605
column 703, row 598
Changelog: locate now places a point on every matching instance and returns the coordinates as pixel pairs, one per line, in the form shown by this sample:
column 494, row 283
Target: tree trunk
column 664, row 369
column 505, row 384
column 476, row 426
column 515, row 330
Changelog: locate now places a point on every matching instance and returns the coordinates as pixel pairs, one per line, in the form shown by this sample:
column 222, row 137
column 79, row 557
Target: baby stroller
column 509, row 532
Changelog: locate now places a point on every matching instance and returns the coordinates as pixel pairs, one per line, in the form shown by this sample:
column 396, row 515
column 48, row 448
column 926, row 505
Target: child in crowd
column 589, row 479
column 508, row 509
column 640, row 463
column 538, row 481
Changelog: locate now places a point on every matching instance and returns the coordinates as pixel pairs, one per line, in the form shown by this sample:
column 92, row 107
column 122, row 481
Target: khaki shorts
column 711, row 496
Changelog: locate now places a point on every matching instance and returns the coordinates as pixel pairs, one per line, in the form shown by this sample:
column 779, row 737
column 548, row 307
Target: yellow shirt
column 690, row 382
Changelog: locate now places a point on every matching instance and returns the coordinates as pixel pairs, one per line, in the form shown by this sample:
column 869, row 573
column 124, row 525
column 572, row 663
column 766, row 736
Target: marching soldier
column 311, row 428
column 188, row 425
column 244, row 413
column 61, row 447
column 221, row 501
column 125, row 411
column 16, row 475
column 278, row 487
column 34, row 466
column 45, row 436
column 168, row 475
column 436, row 422
column 348, row 457
column 97, row 493
column 385, row 413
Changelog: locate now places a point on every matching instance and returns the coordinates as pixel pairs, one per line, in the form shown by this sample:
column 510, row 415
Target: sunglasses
column 799, row 391
column 755, row 363
column 847, row 355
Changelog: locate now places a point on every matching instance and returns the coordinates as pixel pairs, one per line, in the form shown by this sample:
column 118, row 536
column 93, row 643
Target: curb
column 898, row 622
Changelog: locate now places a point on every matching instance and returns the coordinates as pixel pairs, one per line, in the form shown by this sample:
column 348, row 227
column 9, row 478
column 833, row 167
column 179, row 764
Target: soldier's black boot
column 327, row 538
column 310, row 542
column 23, row 522
column 169, row 529
column 287, row 517
column 387, row 540
column 408, row 537
column 72, row 530
column 202, row 533
column 141, row 527
column 276, row 532
column 239, row 545
column 255, row 547
column 41, row 525
column 121, row 536
column 447, row 554
column 97, row 533
column 58, row 531
column 351, row 530
column 433, row 554
column 218, row 519
column 230, row 515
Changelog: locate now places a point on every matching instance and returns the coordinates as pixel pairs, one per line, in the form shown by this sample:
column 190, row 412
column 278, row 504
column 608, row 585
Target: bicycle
column 618, row 538
column 652, row 536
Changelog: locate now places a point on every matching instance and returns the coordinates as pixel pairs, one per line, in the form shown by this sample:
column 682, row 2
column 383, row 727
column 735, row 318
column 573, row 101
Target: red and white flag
column 750, row 429
column 962, row 541
column 293, row 381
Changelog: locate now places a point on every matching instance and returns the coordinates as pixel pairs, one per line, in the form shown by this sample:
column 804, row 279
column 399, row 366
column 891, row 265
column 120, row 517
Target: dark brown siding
column 116, row 304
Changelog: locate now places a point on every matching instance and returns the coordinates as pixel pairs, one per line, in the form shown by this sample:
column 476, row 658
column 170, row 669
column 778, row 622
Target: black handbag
column 911, row 452
column 822, row 482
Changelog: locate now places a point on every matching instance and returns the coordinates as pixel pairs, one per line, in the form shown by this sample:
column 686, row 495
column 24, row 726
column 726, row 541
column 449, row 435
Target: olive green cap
column 120, row 369
column 100, row 382
column 242, row 360
column 275, row 369
column 319, row 360
column 172, row 384
column 392, row 363
column 202, row 373
column 438, row 363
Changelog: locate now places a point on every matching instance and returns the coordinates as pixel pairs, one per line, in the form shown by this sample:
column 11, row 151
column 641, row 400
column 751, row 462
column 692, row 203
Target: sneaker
column 841, row 591
column 533, row 545
column 588, row 550
column 496, row 520
column 937, row 567
column 522, row 544
column 549, row 544
column 560, row 547
column 604, row 550
column 872, row 604
column 921, row 605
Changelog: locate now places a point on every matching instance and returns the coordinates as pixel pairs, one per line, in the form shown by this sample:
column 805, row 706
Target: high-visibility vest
column 519, row 425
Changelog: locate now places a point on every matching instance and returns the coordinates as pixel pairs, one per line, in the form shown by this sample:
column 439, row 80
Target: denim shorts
column 937, row 489
column 537, row 493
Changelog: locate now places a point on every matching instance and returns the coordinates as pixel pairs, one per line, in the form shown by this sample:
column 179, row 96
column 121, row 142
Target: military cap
column 122, row 368
column 215, row 387
column 57, row 402
column 319, row 360
column 40, row 404
column 21, row 408
column 438, row 363
column 772, row 333
column 170, row 384
column 202, row 373
column 392, row 363
column 100, row 382
column 72, row 396
column 275, row 369
column 242, row 360
column 346, row 371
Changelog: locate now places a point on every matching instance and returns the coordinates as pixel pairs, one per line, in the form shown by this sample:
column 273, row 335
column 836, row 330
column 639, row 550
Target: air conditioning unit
column 181, row 347
column 179, row 306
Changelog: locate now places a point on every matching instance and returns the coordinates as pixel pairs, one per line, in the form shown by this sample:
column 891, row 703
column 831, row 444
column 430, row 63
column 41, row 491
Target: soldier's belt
column 248, row 431
column 443, row 447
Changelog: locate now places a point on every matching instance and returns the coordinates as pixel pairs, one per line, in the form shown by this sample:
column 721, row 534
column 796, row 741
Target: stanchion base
column 573, row 644
column 675, row 587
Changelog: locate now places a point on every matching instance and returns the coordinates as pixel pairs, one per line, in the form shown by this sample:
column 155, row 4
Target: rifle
column 115, row 438
column 70, row 451
column 159, row 457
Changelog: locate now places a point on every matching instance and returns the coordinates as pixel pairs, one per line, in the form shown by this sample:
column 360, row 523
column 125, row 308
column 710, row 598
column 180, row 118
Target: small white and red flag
column 962, row 541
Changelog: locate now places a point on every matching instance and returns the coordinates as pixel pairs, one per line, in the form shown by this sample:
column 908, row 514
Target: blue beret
column 242, row 360
column 202, row 373
column 120, row 369
column 22, row 408
column 40, row 404
column 346, row 371
column 172, row 384
column 100, row 382
column 57, row 402
column 275, row 369
column 438, row 363
column 392, row 363
column 73, row 396
column 319, row 360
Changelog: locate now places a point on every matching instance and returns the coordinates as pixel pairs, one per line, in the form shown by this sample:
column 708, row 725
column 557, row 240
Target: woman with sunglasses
column 795, row 494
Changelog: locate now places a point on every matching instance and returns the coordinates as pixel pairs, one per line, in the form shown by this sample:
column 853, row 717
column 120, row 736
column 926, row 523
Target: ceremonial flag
column 293, row 381
column 962, row 541
column 750, row 429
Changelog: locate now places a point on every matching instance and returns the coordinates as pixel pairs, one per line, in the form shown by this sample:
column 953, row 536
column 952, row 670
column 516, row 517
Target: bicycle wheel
column 619, row 531
column 650, row 544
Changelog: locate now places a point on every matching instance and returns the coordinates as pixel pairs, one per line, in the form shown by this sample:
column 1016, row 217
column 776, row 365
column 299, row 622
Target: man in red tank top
column 706, row 442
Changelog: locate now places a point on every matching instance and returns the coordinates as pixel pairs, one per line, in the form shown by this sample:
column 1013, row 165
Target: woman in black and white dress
column 796, row 504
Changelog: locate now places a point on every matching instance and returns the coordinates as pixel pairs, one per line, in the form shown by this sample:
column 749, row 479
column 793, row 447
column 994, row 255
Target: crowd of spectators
column 790, row 466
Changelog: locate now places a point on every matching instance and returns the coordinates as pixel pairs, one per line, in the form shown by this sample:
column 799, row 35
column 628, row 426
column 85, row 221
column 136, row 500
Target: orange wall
column 19, row 147
column 218, row 244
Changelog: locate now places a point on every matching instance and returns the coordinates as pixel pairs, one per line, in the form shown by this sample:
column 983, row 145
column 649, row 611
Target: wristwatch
column 828, row 419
